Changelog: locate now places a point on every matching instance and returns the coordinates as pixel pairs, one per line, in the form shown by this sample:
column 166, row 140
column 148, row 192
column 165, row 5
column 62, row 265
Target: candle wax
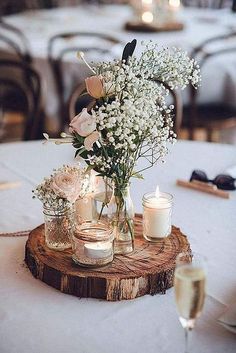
column 98, row 250
column 157, row 217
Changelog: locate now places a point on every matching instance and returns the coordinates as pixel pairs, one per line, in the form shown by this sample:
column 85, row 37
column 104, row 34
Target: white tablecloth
column 218, row 76
column 35, row 318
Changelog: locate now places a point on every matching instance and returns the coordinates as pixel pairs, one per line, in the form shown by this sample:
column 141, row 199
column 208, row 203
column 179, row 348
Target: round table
column 37, row 318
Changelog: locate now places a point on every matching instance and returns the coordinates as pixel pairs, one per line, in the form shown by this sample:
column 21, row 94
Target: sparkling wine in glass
column 189, row 284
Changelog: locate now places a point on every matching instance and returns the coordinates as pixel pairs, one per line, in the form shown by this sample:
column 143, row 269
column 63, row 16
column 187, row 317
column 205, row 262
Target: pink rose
column 90, row 140
column 84, row 124
column 66, row 185
column 95, row 86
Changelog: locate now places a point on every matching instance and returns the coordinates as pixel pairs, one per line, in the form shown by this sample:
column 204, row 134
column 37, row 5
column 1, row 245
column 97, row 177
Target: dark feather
column 128, row 50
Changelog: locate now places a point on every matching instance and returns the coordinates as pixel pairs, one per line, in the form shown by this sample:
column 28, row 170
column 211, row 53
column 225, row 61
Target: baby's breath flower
column 134, row 120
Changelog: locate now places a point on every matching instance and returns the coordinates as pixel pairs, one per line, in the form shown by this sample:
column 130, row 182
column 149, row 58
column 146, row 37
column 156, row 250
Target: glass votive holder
column 92, row 244
column 85, row 209
column 101, row 201
column 59, row 227
column 157, row 215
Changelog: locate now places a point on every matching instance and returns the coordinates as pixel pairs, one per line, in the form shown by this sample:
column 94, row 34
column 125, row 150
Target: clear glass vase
column 59, row 227
column 121, row 217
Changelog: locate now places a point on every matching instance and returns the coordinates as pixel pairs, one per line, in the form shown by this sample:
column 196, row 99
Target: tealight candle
column 157, row 209
column 98, row 250
column 92, row 244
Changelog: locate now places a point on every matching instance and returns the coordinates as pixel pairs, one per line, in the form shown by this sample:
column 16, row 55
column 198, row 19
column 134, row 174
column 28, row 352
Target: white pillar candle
column 98, row 250
column 157, row 209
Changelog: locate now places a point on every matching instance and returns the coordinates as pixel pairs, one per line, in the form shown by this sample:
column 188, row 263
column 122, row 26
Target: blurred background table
column 36, row 318
column 218, row 74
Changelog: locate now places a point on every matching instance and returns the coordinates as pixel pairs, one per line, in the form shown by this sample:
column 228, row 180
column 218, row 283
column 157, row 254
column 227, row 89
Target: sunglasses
column 222, row 181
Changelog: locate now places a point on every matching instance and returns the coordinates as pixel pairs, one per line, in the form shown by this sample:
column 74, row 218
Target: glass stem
column 186, row 334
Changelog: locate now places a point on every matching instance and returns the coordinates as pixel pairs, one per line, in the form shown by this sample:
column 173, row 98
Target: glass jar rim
column 82, row 231
column 151, row 195
column 52, row 211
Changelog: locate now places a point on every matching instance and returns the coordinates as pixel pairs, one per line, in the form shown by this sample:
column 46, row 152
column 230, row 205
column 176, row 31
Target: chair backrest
column 202, row 54
column 221, row 39
column 15, row 40
column 71, row 42
column 78, row 35
column 78, row 100
column 30, row 89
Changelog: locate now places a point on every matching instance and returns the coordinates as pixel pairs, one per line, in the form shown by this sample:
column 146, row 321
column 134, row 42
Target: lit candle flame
column 157, row 192
column 147, row 17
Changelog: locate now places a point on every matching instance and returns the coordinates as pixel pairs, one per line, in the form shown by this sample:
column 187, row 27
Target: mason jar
column 92, row 244
column 59, row 226
column 157, row 213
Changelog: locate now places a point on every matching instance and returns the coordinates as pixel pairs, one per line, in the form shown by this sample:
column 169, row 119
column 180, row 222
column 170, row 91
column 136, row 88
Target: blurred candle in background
column 174, row 7
column 147, row 11
column 174, row 4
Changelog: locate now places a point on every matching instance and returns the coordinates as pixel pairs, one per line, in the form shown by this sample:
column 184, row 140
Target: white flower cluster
column 131, row 118
column 54, row 195
column 137, row 118
column 172, row 66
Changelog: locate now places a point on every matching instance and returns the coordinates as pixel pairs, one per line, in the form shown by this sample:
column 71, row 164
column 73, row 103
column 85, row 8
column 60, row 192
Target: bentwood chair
column 15, row 41
column 70, row 43
column 79, row 100
column 29, row 91
column 8, row 7
column 210, row 116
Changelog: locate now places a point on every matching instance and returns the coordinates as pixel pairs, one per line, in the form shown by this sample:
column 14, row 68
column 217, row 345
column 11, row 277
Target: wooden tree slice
column 148, row 270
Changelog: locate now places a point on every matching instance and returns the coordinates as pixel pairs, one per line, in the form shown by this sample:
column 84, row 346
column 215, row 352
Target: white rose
column 66, row 185
column 84, row 124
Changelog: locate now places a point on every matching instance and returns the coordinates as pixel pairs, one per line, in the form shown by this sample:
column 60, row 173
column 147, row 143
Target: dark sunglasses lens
column 225, row 182
column 199, row 175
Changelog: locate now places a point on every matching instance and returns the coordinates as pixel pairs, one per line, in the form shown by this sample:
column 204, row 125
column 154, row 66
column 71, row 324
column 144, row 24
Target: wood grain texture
column 148, row 270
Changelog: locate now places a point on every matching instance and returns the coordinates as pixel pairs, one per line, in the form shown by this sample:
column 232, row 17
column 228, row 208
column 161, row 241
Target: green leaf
column 79, row 138
column 89, row 167
column 137, row 175
column 79, row 152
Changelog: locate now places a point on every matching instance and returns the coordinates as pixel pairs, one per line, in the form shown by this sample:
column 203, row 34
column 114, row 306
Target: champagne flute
column 189, row 284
